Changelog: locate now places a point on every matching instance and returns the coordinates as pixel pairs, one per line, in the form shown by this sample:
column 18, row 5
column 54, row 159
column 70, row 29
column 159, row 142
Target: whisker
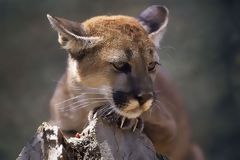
column 167, row 102
column 84, row 101
column 150, row 111
column 104, row 110
column 92, row 90
column 110, row 110
column 72, row 98
column 89, row 93
column 160, row 104
column 79, row 96
column 90, row 103
column 84, row 106
column 156, row 100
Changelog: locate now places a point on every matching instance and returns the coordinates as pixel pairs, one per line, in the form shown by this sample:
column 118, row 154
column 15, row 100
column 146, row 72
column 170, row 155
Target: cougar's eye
column 152, row 66
column 121, row 67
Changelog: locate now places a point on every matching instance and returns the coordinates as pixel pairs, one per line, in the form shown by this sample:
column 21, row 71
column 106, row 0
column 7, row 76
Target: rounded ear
column 71, row 35
column 155, row 19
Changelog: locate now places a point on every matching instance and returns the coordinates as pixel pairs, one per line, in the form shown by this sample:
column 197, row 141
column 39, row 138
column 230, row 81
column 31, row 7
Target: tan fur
column 166, row 122
column 118, row 32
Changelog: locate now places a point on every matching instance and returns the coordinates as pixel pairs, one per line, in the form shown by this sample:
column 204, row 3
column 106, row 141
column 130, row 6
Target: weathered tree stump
column 99, row 140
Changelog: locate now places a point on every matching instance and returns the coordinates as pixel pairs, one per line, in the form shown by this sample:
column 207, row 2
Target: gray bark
column 98, row 141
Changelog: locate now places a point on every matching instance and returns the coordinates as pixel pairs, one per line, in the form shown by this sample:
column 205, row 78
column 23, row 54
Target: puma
column 113, row 61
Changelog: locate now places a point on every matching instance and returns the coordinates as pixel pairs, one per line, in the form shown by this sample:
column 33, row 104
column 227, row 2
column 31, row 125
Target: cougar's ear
column 71, row 35
column 155, row 19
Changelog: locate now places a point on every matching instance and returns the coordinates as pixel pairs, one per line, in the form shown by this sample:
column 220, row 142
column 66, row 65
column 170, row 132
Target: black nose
column 144, row 97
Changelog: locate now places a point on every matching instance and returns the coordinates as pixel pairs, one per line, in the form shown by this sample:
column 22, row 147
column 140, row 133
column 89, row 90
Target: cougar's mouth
column 129, row 107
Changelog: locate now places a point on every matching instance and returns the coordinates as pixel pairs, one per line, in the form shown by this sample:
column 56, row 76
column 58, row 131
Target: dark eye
column 152, row 66
column 121, row 67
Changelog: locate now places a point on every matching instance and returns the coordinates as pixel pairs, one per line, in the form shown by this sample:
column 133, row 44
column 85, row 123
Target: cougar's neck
column 73, row 81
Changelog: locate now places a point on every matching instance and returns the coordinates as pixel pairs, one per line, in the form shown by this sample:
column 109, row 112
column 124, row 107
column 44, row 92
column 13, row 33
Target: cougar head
column 118, row 52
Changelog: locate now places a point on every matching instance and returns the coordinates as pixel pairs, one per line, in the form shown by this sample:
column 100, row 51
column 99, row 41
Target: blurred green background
column 201, row 50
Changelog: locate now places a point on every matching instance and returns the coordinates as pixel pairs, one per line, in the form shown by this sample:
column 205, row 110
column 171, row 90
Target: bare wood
column 99, row 140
